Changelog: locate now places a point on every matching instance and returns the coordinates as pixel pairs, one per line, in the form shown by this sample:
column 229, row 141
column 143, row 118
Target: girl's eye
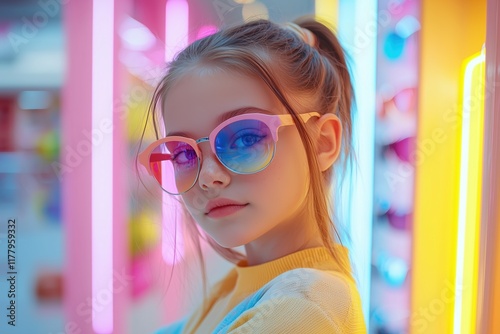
column 247, row 140
column 185, row 156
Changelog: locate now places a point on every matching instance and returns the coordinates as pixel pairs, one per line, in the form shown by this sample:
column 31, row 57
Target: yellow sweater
column 303, row 292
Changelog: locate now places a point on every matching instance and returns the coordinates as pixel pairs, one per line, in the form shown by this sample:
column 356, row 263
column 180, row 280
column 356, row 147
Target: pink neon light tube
column 176, row 27
column 102, row 166
column 176, row 38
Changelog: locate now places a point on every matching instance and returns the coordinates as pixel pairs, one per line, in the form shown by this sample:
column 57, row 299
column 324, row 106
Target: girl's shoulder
column 316, row 285
column 300, row 300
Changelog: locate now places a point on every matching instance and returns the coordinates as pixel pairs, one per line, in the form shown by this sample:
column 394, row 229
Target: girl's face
column 274, row 215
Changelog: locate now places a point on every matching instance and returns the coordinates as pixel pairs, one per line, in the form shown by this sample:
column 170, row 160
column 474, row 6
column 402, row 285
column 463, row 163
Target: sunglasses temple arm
column 306, row 117
column 288, row 120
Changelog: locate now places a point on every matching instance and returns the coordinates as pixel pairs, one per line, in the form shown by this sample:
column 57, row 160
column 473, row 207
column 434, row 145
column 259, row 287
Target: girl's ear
column 328, row 140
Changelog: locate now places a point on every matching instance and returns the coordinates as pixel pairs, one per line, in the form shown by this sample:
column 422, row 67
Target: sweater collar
column 251, row 278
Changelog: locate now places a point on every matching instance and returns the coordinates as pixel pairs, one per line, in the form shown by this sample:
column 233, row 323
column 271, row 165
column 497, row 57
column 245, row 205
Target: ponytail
column 329, row 47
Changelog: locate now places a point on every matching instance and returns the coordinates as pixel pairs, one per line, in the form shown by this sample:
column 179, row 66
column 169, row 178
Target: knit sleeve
column 306, row 301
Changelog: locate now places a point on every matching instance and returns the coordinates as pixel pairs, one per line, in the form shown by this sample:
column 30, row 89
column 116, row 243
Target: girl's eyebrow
column 239, row 111
column 227, row 115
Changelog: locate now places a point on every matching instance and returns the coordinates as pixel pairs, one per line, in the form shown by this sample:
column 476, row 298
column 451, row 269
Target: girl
column 256, row 117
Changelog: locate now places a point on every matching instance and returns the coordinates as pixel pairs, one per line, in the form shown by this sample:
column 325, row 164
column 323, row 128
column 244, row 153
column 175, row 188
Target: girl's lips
column 218, row 202
column 223, row 211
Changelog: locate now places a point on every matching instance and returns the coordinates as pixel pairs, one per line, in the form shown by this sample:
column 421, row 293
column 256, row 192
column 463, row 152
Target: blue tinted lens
column 245, row 146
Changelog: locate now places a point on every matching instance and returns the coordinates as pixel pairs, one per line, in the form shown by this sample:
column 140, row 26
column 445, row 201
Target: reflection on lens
column 245, row 146
column 175, row 166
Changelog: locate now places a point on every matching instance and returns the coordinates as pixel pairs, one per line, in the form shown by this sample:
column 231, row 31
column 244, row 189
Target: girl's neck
column 262, row 251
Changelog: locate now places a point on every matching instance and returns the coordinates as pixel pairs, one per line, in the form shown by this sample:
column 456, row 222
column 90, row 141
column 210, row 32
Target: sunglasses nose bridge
column 202, row 140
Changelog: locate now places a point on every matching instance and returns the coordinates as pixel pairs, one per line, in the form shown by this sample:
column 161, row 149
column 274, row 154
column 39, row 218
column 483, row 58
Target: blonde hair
column 290, row 65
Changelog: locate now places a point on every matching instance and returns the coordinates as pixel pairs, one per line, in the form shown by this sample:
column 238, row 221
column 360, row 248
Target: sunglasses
column 244, row 144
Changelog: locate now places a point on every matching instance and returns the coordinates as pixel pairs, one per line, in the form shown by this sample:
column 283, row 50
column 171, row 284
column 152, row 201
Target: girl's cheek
column 195, row 200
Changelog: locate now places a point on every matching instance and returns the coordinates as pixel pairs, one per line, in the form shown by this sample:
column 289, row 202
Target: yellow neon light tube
column 473, row 78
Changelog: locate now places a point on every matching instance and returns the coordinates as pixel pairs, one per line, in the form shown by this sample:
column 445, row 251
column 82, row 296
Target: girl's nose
column 212, row 173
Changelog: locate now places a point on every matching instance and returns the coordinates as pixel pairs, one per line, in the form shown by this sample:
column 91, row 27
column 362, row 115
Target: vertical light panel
column 488, row 303
column 446, row 40
column 172, row 246
column 469, row 196
column 102, row 165
column 176, row 27
column 176, row 39
column 355, row 16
